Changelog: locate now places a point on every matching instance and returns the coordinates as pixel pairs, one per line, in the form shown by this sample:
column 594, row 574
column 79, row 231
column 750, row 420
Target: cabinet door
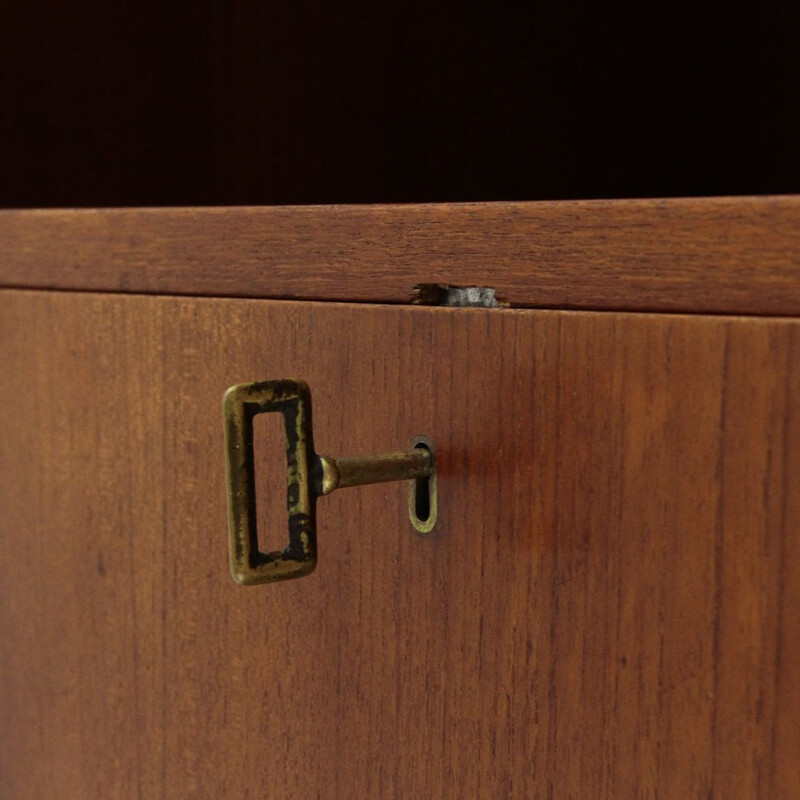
column 609, row 605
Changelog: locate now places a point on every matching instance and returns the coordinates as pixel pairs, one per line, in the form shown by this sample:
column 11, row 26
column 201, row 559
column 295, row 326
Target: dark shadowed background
column 137, row 103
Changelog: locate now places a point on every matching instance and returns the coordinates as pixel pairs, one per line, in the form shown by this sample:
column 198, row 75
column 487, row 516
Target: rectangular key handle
column 249, row 565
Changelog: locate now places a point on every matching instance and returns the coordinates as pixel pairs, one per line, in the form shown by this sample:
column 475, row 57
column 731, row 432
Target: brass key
column 308, row 476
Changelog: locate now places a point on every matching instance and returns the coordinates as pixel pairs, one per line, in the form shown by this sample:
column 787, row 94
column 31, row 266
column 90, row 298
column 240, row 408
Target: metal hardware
column 423, row 504
column 439, row 294
column 308, row 476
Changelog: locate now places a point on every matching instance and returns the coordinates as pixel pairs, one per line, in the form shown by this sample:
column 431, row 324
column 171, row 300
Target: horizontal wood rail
column 717, row 255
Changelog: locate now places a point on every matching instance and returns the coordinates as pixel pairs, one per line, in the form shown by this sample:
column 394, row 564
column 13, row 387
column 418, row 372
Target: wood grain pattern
column 725, row 255
column 610, row 606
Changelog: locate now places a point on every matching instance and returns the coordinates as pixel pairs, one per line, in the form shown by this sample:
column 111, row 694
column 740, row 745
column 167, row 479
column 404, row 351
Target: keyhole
column 422, row 501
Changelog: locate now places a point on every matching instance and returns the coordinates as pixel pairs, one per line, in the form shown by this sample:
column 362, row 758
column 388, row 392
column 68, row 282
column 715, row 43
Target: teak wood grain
column 722, row 255
column 609, row 607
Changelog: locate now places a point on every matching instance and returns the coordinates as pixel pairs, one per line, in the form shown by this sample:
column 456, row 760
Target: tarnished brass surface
column 241, row 403
column 339, row 473
column 308, row 476
column 426, row 524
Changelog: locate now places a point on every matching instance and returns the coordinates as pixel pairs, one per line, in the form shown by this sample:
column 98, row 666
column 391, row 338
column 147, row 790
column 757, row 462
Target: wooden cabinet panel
column 729, row 255
column 610, row 605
